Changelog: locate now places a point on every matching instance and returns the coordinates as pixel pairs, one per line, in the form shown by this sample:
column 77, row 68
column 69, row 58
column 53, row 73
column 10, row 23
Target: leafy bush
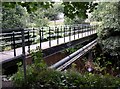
column 51, row 79
column 39, row 76
column 31, row 70
column 72, row 49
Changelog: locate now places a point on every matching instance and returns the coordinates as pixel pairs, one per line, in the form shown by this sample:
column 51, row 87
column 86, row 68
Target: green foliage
column 14, row 18
column 105, row 64
column 29, row 14
column 70, row 9
column 76, row 20
column 31, row 70
column 30, row 6
column 68, row 21
column 109, row 28
column 39, row 76
column 53, row 12
column 66, row 80
column 79, row 9
column 72, row 49
column 38, row 18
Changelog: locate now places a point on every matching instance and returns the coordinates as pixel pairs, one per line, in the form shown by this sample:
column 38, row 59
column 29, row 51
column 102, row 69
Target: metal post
column 23, row 53
column 85, row 30
column 89, row 29
column 74, row 32
column 92, row 29
column 40, row 36
column 57, row 36
column 78, row 30
column 42, row 33
column 61, row 31
column 64, row 33
column 11, row 40
column 28, row 42
column 14, row 43
column 49, row 38
column 33, row 34
column 69, row 33
column 95, row 28
column 81, row 31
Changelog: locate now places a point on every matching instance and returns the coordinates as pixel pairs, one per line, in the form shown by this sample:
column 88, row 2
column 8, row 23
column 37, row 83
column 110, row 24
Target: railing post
column 81, row 30
column 70, row 33
column 42, row 33
column 11, row 40
column 40, row 37
column 74, row 32
column 33, row 34
column 90, row 30
column 57, row 35
column 55, row 32
column 23, row 52
column 49, row 38
column 93, row 29
column 61, row 31
column 14, row 43
column 28, row 42
column 85, row 31
column 78, row 30
column 64, row 33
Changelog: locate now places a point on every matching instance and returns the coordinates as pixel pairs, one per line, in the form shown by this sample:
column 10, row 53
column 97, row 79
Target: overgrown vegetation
column 40, row 76
column 108, row 15
column 72, row 49
column 17, row 17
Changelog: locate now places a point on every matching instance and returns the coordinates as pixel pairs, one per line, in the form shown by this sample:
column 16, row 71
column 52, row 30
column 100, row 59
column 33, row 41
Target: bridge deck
column 8, row 55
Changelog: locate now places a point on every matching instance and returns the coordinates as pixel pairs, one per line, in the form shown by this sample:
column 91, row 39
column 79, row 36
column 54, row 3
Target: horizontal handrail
column 13, row 40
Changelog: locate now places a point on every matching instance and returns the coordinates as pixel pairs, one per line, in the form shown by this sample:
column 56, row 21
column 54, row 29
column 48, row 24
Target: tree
column 52, row 13
column 75, row 20
column 73, row 9
column 38, row 18
column 70, row 9
column 14, row 17
column 30, row 6
column 109, row 28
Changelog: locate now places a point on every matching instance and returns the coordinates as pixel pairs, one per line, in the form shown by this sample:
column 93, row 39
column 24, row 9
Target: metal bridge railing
column 13, row 37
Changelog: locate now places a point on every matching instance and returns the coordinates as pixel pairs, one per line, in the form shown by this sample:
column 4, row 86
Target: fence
column 13, row 37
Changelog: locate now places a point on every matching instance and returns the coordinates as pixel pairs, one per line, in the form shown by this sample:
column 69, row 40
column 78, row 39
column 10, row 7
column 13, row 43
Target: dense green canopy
column 71, row 9
column 14, row 17
column 108, row 15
